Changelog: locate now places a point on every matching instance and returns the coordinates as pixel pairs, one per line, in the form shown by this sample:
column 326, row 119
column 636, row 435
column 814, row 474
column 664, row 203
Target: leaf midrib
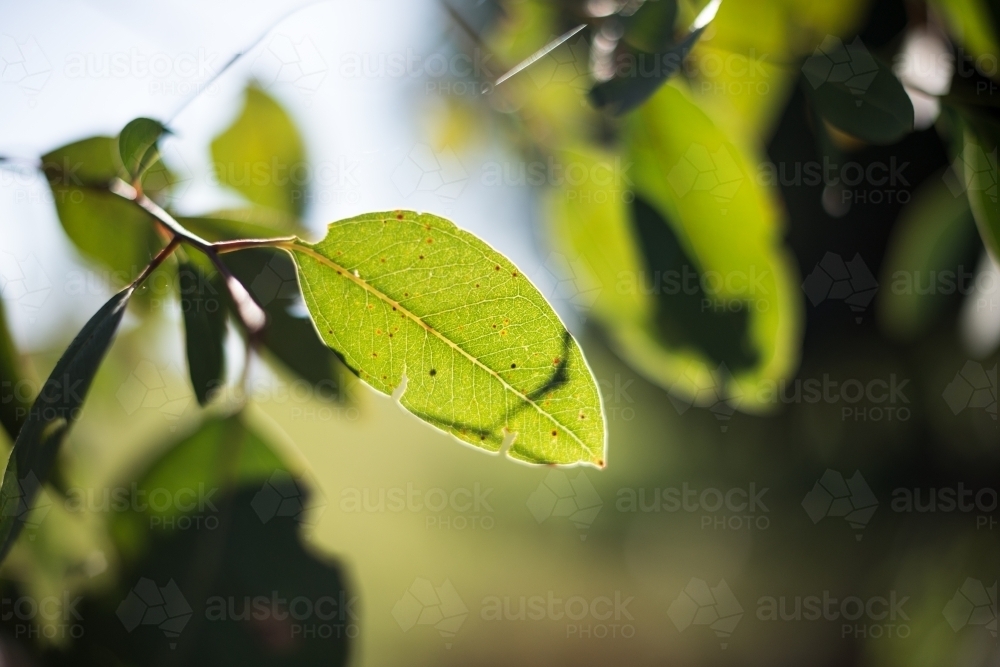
column 299, row 246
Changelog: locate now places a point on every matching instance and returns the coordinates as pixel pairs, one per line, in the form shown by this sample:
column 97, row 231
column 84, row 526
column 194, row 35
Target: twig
column 156, row 261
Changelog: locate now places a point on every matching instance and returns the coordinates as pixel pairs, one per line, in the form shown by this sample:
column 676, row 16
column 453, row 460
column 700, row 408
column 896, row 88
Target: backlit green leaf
column 137, row 145
column 431, row 314
column 262, row 155
column 204, row 327
column 55, row 409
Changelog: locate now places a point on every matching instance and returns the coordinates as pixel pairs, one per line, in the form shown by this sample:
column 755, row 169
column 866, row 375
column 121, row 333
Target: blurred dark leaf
column 651, row 27
column 55, row 409
column 262, row 155
column 270, row 277
column 103, row 226
column 633, row 86
column 933, row 235
column 204, row 328
column 223, row 561
column 222, row 454
column 137, row 145
column 14, row 404
column 858, row 93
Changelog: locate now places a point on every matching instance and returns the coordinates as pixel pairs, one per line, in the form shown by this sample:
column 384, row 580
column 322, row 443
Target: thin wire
column 539, row 54
column 232, row 61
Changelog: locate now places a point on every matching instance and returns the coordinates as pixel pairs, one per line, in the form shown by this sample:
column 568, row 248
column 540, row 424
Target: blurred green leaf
column 103, row 226
column 204, row 328
column 974, row 23
column 137, row 145
column 933, row 234
column 704, row 186
column 858, row 93
column 241, row 224
column 13, row 404
column 55, row 409
column 980, row 164
column 684, row 317
column 291, row 338
column 719, row 246
column 262, row 155
column 434, row 316
column 629, row 89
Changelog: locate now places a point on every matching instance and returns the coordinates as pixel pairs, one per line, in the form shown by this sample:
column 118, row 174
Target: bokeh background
column 393, row 105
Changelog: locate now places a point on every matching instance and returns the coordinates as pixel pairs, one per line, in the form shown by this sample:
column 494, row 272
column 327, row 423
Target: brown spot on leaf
column 513, row 365
column 433, row 372
column 555, row 433
column 399, row 216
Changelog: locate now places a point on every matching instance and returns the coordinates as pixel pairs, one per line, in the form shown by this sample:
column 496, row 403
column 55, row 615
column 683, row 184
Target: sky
column 362, row 80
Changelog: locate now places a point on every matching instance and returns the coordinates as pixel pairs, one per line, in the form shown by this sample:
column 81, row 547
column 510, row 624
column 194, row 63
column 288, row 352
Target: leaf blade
column 870, row 104
column 52, row 414
column 137, row 144
column 262, row 155
column 417, row 277
column 204, row 329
